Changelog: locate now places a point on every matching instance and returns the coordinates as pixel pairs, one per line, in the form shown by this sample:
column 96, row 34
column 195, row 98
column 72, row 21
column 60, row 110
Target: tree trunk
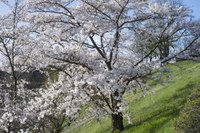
column 117, row 122
column 164, row 50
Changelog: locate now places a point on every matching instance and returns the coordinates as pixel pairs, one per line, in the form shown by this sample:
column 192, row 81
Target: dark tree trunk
column 117, row 122
column 164, row 50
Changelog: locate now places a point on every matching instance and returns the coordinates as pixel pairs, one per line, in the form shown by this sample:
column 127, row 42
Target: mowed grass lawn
column 160, row 108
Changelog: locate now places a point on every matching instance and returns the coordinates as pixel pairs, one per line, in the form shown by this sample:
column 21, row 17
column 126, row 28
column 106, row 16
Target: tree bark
column 117, row 122
column 164, row 50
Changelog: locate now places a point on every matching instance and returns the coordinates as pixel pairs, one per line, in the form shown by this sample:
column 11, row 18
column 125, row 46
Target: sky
column 195, row 6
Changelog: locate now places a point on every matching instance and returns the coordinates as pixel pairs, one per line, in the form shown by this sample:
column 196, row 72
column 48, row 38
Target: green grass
column 158, row 111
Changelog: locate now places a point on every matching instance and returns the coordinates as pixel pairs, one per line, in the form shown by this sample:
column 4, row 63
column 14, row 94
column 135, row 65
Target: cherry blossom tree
column 16, row 50
column 161, row 38
column 90, row 41
column 190, row 39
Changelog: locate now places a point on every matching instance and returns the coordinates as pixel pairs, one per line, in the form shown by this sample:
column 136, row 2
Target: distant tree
column 164, row 35
column 187, row 42
column 194, row 28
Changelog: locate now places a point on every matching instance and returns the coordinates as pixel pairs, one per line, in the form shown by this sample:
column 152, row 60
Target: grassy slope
column 157, row 112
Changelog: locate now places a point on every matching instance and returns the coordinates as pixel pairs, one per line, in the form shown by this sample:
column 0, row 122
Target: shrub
column 189, row 120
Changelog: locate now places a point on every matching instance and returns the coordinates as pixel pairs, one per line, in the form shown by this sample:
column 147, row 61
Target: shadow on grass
column 164, row 114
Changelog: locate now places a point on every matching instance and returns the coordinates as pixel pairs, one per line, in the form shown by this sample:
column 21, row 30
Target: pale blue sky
column 193, row 4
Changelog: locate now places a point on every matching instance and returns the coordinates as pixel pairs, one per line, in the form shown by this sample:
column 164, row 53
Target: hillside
column 157, row 111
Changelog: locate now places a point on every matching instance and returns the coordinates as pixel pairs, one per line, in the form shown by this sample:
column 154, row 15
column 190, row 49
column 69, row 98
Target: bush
column 189, row 120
